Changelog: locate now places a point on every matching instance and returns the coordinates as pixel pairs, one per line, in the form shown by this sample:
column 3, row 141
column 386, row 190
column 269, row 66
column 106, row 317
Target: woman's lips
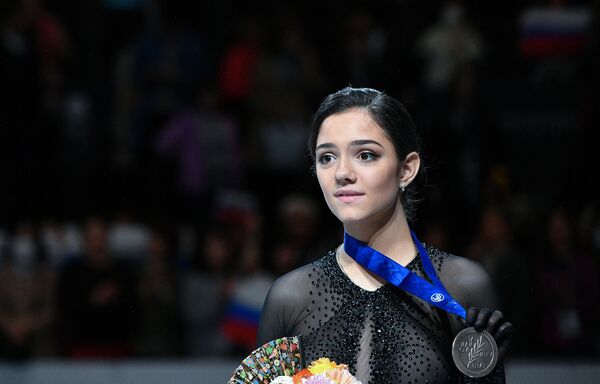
column 348, row 196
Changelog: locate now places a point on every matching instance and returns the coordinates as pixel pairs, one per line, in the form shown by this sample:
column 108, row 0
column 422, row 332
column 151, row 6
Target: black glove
column 494, row 323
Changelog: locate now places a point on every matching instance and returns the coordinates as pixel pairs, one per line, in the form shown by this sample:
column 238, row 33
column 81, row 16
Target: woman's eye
column 367, row 156
column 326, row 158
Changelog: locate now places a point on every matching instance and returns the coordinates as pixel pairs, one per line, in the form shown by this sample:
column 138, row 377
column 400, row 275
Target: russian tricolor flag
column 556, row 31
column 241, row 324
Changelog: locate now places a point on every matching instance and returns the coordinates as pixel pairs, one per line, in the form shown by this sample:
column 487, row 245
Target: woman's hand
column 494, row 323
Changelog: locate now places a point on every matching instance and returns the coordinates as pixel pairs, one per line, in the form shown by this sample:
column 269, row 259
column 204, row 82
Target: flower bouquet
column 280, row 361
column 321, row 371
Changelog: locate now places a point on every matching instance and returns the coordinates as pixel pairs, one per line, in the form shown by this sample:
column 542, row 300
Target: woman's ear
column 409, row 168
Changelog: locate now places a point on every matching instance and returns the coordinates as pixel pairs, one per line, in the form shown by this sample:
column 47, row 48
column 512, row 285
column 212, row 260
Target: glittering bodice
column 385, row 336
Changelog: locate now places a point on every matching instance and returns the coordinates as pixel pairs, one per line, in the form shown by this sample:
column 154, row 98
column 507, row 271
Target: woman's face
column 357, row 167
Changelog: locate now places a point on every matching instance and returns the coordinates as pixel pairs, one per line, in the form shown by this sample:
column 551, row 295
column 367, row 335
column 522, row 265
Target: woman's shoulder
column 294, row 277
column 293, row 283
column 462, row 266
column 465, row 279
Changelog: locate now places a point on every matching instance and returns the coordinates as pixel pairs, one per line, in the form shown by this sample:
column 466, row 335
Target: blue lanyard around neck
column 399, row 276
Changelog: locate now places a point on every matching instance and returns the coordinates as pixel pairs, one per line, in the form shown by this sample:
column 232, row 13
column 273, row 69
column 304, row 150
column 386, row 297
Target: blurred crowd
column 121, row 288
column 155, row 178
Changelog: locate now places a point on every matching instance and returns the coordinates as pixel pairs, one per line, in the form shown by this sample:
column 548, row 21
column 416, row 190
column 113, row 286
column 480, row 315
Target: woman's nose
column 344, row 174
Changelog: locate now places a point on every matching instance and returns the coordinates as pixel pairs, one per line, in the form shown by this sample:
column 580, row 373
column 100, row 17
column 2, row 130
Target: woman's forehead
column 351, row 125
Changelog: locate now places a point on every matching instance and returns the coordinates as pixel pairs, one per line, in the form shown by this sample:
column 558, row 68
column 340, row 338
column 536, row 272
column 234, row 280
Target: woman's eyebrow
column 358, row 143
column 325, row 145
column 353, row 143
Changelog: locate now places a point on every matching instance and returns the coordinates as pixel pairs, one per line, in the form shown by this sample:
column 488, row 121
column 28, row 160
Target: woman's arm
column 283, row 307
column 271, row 324
column 469, row 283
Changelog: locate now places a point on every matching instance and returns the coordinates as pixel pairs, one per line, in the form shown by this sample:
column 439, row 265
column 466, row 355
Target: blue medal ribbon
column 399, row 276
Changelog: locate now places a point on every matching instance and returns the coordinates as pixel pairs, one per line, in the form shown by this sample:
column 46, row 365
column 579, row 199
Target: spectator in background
column 206, row 144
column 283, row 258
column 249, row 287
column 492, row 245
column 238, row 64
column 298, row 238
column 364, row 43
column 589, row 231
column 497, row 189
column 97, row 300
column 128, row 239
column 447, row 47
column 509, row 270
column 287, row 74
column 27, row 300
column 61, row 242
column 205, row 290
column 169, row 64
column 158, row 331
column 566, row 291
column 156, row 75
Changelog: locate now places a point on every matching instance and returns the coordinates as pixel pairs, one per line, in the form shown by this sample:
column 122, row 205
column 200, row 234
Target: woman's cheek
column 386, row 189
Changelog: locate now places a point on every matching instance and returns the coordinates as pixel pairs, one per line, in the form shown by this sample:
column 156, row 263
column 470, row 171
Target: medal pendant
column 474, row 353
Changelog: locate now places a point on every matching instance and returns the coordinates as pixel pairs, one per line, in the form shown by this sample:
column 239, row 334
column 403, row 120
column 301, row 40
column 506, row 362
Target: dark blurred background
column 154, row 178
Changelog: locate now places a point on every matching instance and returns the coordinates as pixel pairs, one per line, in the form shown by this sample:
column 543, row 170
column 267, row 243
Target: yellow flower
column 323, row 365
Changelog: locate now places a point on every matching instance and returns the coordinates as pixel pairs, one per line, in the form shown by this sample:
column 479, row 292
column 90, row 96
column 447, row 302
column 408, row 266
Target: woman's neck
column 389, row 235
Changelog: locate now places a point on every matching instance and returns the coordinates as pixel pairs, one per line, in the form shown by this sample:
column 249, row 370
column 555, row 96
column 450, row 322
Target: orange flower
column 301, row 374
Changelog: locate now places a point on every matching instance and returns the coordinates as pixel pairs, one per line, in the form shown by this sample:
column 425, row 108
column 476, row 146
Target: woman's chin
column 364, row 218
column 351, row 219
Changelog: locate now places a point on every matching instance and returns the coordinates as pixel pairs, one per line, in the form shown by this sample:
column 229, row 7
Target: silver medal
column 475, row 353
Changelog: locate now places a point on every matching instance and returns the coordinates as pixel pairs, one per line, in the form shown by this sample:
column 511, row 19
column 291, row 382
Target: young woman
column 366, row 157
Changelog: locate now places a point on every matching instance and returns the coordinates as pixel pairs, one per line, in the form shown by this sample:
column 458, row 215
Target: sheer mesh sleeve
column 284, row 306
column 468, row 282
